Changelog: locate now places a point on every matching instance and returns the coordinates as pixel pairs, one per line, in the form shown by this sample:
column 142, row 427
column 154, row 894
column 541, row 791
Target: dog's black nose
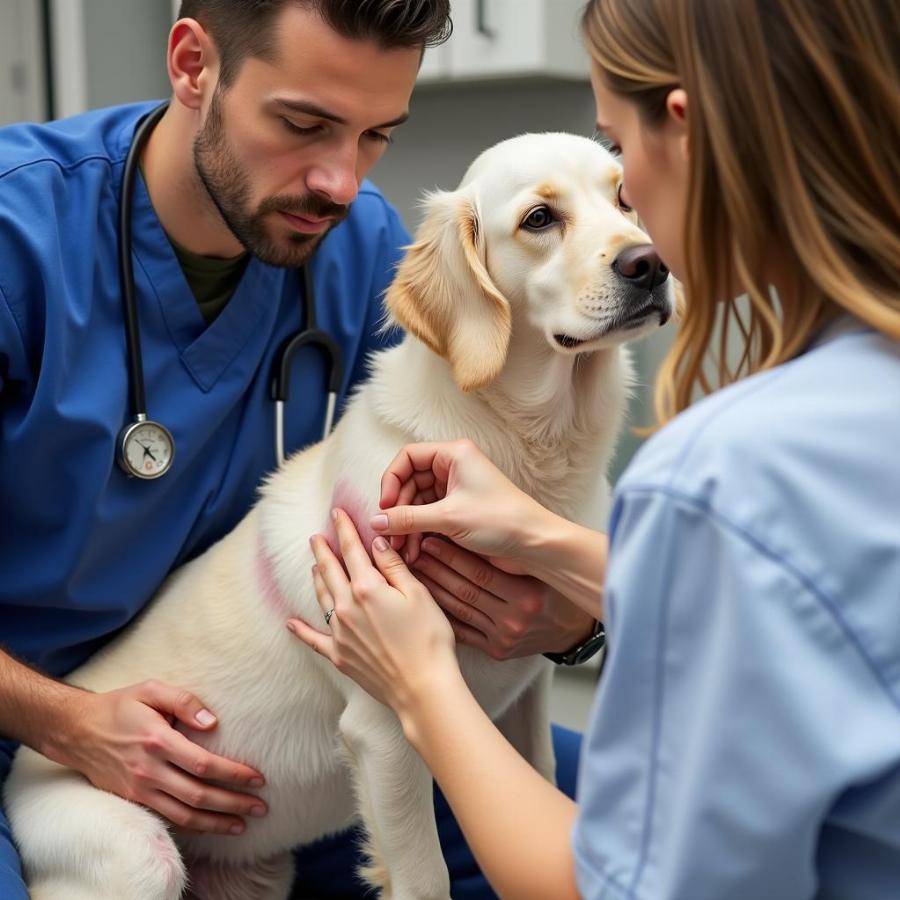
column 641, row 266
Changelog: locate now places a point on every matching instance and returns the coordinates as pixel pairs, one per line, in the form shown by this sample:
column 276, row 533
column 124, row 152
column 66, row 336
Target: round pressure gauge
column 146, row 449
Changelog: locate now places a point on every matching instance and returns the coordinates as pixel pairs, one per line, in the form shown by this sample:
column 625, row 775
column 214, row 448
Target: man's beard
column 228, row 186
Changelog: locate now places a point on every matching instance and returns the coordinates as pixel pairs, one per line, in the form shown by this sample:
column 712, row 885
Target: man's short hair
column 242, row 28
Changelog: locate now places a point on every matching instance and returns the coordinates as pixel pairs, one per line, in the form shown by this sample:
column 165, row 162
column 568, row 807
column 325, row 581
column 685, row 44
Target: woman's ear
column 443, row 294
column 677, row 108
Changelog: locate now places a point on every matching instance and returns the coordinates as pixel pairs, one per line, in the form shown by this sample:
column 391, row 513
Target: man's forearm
column 33, row 707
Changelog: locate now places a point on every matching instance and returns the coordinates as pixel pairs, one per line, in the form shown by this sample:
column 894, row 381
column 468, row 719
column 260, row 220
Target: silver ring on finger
column 328, row 615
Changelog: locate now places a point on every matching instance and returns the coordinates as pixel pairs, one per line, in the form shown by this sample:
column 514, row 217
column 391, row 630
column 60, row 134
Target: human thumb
column 391, row 565
column 412, row 519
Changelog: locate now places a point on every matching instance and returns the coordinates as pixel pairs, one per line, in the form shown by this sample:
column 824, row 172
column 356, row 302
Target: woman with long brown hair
column 745, row 740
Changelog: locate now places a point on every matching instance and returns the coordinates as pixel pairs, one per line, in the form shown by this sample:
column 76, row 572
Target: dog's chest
column 570, row 486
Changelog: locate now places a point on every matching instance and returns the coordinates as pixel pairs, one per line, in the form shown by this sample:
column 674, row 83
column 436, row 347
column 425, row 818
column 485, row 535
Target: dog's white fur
column 485, row 297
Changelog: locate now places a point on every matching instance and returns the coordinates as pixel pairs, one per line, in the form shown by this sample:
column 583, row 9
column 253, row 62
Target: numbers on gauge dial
column 148, row 449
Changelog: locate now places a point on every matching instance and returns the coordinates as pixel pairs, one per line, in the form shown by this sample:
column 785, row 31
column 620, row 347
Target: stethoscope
column 146, row 448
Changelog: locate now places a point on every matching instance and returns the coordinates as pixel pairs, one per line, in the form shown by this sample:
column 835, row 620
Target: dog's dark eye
column 622, row 204
column 539, row 219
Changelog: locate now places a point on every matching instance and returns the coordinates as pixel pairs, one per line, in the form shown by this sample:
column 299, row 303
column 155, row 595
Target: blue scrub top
column 83, row 547
column 745, row 740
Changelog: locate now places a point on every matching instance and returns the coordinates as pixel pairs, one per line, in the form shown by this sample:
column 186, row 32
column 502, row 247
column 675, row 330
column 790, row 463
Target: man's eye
column 539, row 219
column 381, row 138
column 297, row 129
column 622, row 204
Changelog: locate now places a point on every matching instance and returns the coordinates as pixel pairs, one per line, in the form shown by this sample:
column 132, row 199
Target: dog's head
column 533, row 235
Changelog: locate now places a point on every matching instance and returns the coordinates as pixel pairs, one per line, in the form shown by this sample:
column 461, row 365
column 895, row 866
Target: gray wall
column 22, row 63
column 450, row 126
column 126, row 50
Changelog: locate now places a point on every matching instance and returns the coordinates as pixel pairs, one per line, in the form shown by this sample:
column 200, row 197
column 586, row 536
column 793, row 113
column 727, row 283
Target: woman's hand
column 386, row 632
column 455, row 490
column 519, row 580
column 124, row 742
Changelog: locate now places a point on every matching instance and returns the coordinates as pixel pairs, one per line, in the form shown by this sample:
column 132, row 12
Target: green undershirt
column 212, row 280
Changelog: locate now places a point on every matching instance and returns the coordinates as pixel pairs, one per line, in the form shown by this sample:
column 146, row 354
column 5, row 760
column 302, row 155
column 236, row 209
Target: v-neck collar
column 205, row 351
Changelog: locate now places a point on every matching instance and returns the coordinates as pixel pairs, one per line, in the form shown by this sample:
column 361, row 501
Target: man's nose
column 335, row 177
column 641, row 266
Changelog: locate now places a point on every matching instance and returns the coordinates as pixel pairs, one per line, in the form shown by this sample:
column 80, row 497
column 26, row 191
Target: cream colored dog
column 517, row 295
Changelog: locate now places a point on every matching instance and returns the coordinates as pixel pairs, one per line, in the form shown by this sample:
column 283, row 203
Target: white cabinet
column 502, row 39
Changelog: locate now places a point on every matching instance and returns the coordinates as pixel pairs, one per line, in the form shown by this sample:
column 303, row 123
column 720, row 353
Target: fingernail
column 334, row 514
column 258, row 811
column 432, row 546
column 256, row 782
column 379, row 522
column 290, row 627
column 205, row 717
column 236, row 829
column 380, row 544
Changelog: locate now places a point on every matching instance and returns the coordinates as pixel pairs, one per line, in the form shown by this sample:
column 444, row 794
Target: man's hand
column 124, row 741
column 504, row 615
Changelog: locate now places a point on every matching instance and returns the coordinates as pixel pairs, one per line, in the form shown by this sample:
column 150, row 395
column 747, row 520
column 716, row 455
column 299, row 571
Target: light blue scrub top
column 83, row 547
column 745, row 740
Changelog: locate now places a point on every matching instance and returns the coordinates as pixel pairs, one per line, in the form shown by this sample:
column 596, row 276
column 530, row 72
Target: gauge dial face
column 147, row 450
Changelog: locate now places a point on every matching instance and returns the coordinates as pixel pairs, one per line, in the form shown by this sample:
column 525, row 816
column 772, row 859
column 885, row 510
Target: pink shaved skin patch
column 359, row 509
column 265, row 576
column 344, row 497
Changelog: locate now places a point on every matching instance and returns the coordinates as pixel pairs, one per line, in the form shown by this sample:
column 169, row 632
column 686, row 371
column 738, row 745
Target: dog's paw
column 379, row 878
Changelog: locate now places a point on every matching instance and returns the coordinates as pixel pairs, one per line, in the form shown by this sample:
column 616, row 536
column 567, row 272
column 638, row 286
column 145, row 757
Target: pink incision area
column 360, row 510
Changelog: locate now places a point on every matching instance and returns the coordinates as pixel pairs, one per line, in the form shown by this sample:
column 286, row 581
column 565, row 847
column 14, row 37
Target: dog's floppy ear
column 443, row 294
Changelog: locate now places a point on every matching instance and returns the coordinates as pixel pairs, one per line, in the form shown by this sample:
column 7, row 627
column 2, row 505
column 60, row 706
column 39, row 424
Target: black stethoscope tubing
column 308, row 335
column 126, row 267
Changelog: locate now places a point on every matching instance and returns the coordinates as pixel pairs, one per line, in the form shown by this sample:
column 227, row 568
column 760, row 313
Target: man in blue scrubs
column 278, row 112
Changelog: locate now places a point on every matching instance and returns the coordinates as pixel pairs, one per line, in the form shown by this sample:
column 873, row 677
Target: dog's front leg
column 526, row 725
column 395, row 794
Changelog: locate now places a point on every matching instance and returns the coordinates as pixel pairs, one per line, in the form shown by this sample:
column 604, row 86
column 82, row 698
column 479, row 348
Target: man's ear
column 192, row 62
column 443, row 294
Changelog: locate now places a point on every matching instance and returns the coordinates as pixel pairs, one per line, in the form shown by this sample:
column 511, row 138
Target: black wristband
column 582, row 652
